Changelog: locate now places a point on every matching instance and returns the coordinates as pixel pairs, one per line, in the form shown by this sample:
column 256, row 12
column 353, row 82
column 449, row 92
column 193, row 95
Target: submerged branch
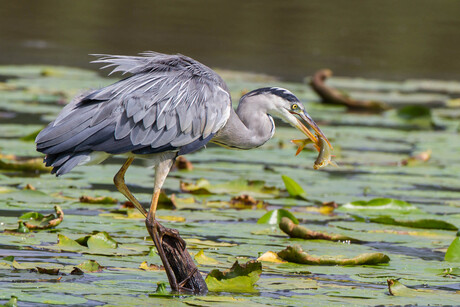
column 333, row 96
column 297, row 255
column 297, row 231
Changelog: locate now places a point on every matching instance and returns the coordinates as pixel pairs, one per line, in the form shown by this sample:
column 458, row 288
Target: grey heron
column 169, row 105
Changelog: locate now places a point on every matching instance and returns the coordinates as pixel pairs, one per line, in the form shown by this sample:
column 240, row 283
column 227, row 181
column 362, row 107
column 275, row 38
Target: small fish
column 324, row 157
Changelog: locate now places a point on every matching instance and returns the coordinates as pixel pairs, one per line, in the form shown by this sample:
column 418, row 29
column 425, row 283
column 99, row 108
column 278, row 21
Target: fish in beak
column 310, row 122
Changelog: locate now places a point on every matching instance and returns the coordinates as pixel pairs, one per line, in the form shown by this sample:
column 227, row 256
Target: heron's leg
column 161, row 172
column 119, row 181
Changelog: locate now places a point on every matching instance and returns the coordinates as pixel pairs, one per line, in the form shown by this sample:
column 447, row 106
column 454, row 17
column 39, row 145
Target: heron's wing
column 170, row 102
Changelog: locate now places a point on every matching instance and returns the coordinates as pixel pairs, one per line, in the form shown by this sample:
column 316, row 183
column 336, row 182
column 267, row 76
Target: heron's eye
column 294, row 107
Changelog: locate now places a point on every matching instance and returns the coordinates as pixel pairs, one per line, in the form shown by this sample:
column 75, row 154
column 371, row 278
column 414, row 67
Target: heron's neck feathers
column 249, row 127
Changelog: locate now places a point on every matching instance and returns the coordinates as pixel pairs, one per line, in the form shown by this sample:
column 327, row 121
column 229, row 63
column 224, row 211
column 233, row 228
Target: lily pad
column 380, row 204
column 293, row 188
column 256, row 188
column 90, row 266
column 275, row 216
column 38, row 221
column 202, row 259
column 453, row 252
column 239, row 278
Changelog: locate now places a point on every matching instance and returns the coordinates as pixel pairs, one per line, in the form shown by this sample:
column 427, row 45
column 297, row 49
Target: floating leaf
column 101, row 240
column 297, row 231
column 68, row 244
column 90, row 266
column 49, row 271
column 24, row 165
column 274, row 217
column 202, row 259
column 415, row 223
column 297, row 255
column 398, row 289
column 37, row 221
column 239, row 278
column 31, row 136
column 255, row 188
column 13, row 302
column 271, row 257
column 21, row 228
column 453, row 252
column 246, row 202
column 152, row 267
column 414, row 112
column 183, row 164
column 104, row 200
column 293, row 188
column 382, row 204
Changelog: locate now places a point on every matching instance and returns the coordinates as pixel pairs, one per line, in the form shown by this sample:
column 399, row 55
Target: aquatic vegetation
column 407, row 211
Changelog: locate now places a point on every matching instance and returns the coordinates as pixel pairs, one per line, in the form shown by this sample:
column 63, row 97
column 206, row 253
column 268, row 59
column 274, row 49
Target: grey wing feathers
column 171, row 102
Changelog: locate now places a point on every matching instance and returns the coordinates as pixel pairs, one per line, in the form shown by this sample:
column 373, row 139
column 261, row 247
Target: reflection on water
column 388, row 39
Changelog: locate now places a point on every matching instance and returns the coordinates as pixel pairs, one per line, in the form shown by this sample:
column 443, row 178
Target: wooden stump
column 183, row 275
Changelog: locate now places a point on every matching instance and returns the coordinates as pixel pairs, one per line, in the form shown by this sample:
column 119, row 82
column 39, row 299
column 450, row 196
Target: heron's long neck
column 249, row 127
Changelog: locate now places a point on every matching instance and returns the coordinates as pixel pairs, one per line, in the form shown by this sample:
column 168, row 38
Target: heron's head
column 285, row 105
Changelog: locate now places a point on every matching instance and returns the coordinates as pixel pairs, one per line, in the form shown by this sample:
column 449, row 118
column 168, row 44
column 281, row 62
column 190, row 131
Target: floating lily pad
column 453, row 252
column 380, row 204
column 239, row 278
column 90, row 266
column 293, row 188
column 275, row 216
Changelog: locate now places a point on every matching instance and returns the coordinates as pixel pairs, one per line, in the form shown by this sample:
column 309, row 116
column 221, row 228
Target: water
column 290, row 39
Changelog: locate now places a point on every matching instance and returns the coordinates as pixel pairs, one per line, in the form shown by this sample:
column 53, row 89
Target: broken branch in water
column 297, row 255
column 333, row 96
column 183, row 275
column 297, row 231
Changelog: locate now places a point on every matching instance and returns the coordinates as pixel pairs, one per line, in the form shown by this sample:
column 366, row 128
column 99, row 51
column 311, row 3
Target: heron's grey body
column 170, row 103
column 169, row 106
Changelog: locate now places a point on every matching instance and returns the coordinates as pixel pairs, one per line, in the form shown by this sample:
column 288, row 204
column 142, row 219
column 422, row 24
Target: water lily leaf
column 274, row 217
column 293, row 188
column 49, row 271
column 255, row 188
column 152, row 267
column 239, row 278
column 65, row 243
column 246, row 202
column 13, row 302
column 417, row 223
column 297, row 255
column 24, row 165
column 90, row 266
column 379, row 204
column 453, row 252
column 297, row 231
column 10, row 262
column 451, row 272
column 22, row 228
column 31, row 136
column 271, row 257
column 202, row 259
column 398, row 289
column 414, row 112
column 38, row 221
column 104, row 200
column 101, row 240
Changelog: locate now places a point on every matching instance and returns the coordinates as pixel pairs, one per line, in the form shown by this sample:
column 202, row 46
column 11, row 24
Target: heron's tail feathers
column 64, row 162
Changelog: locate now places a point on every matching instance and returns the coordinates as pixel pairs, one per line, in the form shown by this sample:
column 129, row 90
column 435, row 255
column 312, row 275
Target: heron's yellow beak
column 313, row 125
